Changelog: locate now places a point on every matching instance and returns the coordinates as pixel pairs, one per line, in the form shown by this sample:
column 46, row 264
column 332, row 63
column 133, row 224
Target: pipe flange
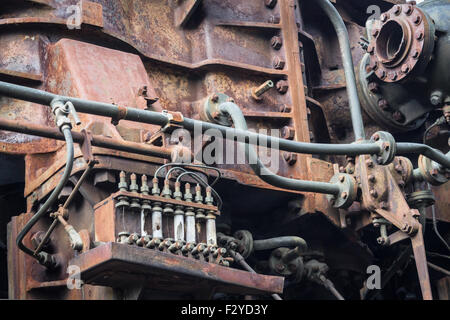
column 421, row 198
column 388, row 147
column 245, row 239
column 431, row 172
column 348, row 191
column 403, row 43
column 211, row 111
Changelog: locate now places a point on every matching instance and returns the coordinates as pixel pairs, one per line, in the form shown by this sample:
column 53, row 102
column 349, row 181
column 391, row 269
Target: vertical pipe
column 344, row 46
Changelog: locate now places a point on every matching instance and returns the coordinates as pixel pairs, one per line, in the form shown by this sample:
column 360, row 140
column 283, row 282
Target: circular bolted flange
column 348, row 190
column 423, row 198
column 388, row 147
column 211, row 109
column 285, row 268
column 430, row 172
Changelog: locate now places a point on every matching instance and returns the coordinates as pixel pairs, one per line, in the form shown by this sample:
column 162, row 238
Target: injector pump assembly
column 225, row 149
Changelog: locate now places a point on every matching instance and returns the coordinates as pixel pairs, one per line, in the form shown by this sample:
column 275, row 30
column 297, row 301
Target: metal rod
column 346, row 54
column 97, row 140
column 86, row 172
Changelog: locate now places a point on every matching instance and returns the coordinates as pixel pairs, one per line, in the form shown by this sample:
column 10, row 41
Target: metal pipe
column 97, row 140
column 265, row 174
column 346, row 54
column 273, row 243
column 152, row 117
column 53, row 196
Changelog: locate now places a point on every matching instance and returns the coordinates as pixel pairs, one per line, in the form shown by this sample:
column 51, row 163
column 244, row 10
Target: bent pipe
column 156, row 118
column 265, row 174
column 53, row 196
column 273, row 243
column 346, row 54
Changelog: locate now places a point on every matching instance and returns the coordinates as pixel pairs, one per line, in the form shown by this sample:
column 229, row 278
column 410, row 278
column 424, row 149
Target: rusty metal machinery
column 224, row 149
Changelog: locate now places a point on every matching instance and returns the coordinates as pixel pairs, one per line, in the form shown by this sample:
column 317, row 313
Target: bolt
column 401, row 183
column 276, row 42
column 436, row 98
column 215, row 98
column 290, row 158
column 282, row 86
column 285, row 108
column 434, row 172
column 373, row 65
column 373, row 87
column 381, row 74
column 270, row 3
column 386, row 146
column 398, row 168
column 384, row 205
column 419, row 35
column 376, row 137
column 369, row 163
column 344, row 195
column 397, row 10
column 393, row 75
column 371, row 49
column 371, row 178
column 287, row 132
column 416, row 54
column 259, row 91
column 342, row 179
column 409, row 10
column 384, row 17
column 383, row 104
column 274, row 19
column 398, row 116
column 278, row 63
column 405, row 68
column 417, row 19
column 280, row 267
column 375, row 33
column 374, row 193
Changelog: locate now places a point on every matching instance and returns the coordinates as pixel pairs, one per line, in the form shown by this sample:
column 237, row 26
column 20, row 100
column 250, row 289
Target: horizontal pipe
column 156, row 118
column 97, row 140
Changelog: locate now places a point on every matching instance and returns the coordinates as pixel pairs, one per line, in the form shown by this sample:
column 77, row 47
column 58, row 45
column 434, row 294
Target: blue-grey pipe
column 265, row 174
column 53, row 196
column 346, row 54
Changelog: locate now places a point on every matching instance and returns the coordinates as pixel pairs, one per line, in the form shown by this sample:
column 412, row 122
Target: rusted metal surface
column 105, row 265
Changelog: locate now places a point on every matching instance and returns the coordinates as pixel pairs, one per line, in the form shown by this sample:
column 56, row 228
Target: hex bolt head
column 376, row 137
column 381, row 74
column 369, row 163
column 405, row 68
column 436, row 98
column 373, row 87
column 416, row 54
column 398, row 116
column 276, row 42
column 375, row 32
column 344, row 195
column 374, row 193
column 278, row 63
column 383, row 104
column 288, row 132
column 371, row 178
column 274, row 19
column 285, row 108
column 384, row 17
column 290, row 158
column 417, row 19
column 270, row 3
column 419, row 35
column 282, row 86
column 371, row 49
column 397, row 10
column 409, row 10
column 393, row 75
column 214, row 98
column 373, row 65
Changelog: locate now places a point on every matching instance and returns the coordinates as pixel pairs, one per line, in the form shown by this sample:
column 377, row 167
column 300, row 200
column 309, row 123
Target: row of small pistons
column 189, row 223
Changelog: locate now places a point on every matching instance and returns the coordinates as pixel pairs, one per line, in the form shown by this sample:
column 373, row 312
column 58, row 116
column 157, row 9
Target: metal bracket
column 86, row 146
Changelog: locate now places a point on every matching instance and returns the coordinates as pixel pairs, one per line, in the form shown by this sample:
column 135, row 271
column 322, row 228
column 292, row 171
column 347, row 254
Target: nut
column 270, row 3
column 288, row 132
column 373, row 87
column 282, row 86
column 276, row 42
column 383, row 104
column 290, row 158
column 278, row 63
column 405, row 68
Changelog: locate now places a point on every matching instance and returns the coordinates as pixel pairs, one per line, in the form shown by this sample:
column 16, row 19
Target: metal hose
column 273, row 243
column 346, row 54
column 53, row 196
column 265, row 174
